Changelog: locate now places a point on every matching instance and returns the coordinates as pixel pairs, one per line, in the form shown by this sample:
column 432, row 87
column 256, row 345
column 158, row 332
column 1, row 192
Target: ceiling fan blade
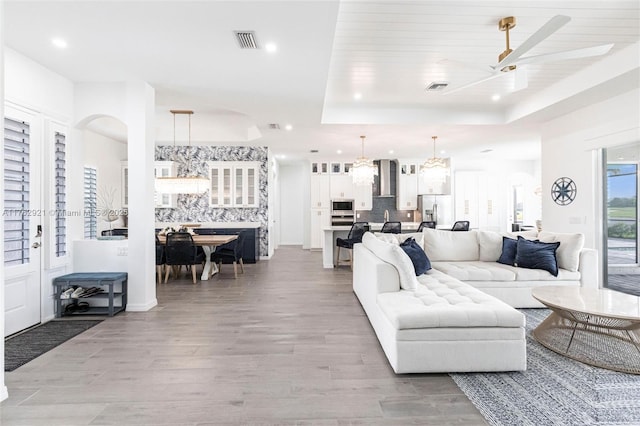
column 586, row 52
column 473, row 83
column 552, row 25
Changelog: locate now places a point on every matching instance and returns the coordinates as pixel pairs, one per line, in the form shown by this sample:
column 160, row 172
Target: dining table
column 208, row 244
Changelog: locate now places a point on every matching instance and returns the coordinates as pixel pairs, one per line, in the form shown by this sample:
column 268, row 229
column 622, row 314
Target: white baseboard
column 141, row 307
column 4, row 393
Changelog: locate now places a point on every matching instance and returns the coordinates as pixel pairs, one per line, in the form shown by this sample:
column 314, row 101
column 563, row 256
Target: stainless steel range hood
column 385, row 182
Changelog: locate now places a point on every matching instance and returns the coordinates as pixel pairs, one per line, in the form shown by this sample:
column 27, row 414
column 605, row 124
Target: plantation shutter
column 60, row 195
column 90, row 203
column 16, row 192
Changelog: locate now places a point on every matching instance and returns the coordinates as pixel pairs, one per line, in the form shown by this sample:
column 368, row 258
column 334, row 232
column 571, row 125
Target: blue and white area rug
column 555, row 390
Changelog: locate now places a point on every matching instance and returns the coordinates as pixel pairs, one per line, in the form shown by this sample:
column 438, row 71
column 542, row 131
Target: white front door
column 23, row 220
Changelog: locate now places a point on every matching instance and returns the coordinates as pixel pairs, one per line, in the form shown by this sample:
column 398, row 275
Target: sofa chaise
column 439, row 321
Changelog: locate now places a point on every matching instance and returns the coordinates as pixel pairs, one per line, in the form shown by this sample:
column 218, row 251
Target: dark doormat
column 23, row 347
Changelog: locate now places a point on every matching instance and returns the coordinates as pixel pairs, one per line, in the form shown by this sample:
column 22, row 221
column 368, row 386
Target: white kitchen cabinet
column 320, row 192
column 364, row 197
column 246, row 184
column 160, row 169
column 220, row 175
column 320, row 219
column 165, row 169
column 407, row 186
column 342, row 187
column 319, row 167
column 234, row 184
column 477, row 198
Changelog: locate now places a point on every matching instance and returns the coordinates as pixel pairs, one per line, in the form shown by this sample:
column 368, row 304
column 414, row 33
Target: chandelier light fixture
column 435, row 170
column 184, row 184
column 363, row 169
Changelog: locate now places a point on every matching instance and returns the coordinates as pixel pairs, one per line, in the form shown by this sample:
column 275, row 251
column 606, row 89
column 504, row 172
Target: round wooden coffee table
column 594, row 326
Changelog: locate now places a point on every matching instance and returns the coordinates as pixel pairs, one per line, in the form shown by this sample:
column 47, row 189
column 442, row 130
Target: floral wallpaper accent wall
column 192, row 161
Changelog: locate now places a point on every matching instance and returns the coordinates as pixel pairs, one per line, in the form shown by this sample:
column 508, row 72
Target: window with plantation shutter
column 90, row 203
column 60, row 195
column 16, row 192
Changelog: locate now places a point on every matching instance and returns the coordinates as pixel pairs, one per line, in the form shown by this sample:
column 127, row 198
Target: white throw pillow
column 393, row 254
column 397, row 239
column 451, row 245
column 491, row 242
column 568, row 253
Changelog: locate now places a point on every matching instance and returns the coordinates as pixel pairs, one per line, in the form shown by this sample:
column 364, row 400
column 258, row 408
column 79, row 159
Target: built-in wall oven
column 342, row 212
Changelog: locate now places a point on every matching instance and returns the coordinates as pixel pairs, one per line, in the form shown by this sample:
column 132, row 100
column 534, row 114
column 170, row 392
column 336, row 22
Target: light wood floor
column 285, row 344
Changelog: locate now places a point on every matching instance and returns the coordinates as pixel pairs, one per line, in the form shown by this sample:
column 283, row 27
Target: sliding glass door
column 621, row 221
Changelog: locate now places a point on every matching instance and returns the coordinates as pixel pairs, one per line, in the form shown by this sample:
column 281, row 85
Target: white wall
column 570, row 148
column 292, row 209
column 106, row 155
column 33, row 86
column 3, row 389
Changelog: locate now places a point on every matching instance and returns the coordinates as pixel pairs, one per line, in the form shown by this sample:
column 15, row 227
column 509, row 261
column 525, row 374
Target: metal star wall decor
column 563, row 191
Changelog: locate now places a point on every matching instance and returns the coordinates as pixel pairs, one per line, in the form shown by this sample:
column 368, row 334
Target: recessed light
column 357, row 96
column 390, row 151
column 288, row 127
column 271, row 47
column 495, row 98
column 59, row 43
column 442, row 151
column 339, row 151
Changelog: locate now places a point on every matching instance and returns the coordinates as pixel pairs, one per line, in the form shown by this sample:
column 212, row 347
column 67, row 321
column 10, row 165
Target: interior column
column 140, row 115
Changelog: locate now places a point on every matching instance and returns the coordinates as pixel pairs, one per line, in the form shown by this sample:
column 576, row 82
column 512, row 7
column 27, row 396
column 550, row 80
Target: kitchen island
column 333, row 232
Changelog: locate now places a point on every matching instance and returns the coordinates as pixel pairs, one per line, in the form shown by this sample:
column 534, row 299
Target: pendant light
column 363, row 169
column 184, row 184
column 435, row 170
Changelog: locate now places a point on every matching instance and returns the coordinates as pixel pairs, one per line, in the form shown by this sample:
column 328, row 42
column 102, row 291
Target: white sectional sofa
column 472, row 258
column 436, row 322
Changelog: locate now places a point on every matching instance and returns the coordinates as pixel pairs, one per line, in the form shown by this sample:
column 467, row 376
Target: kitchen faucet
column 386, row 215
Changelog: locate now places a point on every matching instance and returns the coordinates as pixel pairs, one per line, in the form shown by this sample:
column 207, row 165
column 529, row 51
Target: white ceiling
column 327, row 51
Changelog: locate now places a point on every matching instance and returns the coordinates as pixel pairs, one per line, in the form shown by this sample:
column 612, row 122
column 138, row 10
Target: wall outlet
column 358, row 215
column 408, row 214
column 122, row 251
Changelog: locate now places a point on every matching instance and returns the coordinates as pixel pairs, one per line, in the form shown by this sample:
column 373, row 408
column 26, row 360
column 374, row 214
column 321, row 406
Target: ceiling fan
column 510, row 60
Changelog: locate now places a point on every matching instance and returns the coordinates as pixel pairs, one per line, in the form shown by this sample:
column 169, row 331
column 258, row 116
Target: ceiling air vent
column 274, row 126
column 246, row 39
column 436, row 85
column 314, row 151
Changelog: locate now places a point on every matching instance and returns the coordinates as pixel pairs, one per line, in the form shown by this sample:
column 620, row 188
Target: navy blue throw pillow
column 509, row 248
column 420, row 261
column 537, row 255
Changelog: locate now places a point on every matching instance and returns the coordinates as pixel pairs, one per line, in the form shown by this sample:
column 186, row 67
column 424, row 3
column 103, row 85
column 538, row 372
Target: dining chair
column 355, row 236
column 160, row 259
column 230, row 253
column 181, row 250
column 391, row 228
column 427, row 224
column 460, row 225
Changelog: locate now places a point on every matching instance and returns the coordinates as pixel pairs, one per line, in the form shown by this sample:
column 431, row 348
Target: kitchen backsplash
column 192, row 161
column 380, row 204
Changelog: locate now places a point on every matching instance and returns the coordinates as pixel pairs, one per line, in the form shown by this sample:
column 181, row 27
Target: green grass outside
column 622, row 212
